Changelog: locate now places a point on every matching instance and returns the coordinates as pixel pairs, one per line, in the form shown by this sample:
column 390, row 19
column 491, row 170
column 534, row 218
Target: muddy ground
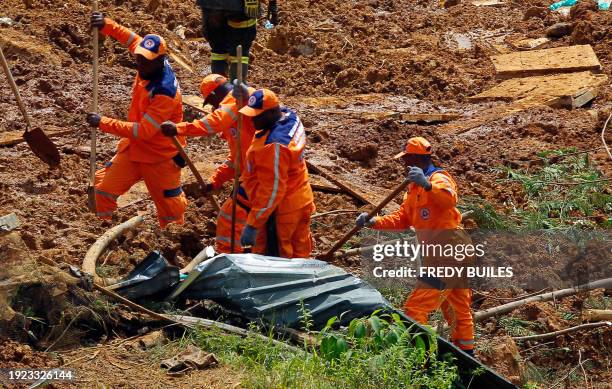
column 351, row 57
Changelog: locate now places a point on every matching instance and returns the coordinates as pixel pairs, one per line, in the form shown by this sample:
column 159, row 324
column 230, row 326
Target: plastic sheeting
column 272, row 289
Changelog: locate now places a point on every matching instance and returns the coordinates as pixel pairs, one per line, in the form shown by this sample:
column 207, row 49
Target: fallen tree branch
column 554, row 334
column 603, row 137
column 569, row 373
column 597, row 315
column 501, row 309
column 96, row 250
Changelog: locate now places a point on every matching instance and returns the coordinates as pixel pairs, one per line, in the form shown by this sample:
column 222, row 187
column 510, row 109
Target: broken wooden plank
column 556, row 85
column 8, row 223
column 576, row 100
column 345, row 187
column 555, row 60
column 529, row 44
column 196, row 102
column 407, row 117
column 12, row 138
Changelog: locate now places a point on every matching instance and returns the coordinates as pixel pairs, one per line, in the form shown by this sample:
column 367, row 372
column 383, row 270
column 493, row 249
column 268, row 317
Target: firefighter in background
column 143, row 152
column 218, row 92
column 227, row 24
column 430, row 206
column 276, row 181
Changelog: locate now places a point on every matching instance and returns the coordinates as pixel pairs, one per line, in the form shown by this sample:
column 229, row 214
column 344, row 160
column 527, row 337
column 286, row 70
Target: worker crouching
column 430, row 206
column 143, row 152
column 276, row 181
column 218, row 92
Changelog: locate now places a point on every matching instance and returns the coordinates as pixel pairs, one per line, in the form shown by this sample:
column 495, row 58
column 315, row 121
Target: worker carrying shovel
column 430, row 206
column 218, row 92
column 276, row 181
column 143, row 152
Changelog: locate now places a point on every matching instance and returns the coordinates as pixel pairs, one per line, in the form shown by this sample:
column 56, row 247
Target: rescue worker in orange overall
column 430, row 206
column 218, row 92
column 143, row 152
column 276, row 181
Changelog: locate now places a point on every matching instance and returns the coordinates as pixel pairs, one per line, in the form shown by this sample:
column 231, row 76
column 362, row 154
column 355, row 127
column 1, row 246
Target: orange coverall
column 144, row 153
column 430, row 213
column 224, row 121
column 276, row 182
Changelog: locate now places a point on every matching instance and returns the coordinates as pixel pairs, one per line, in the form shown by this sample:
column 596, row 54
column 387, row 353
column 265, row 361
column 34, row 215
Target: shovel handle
column 11, row 80
column 329, row 254
column 195, row 171
column 238, row 147
column 94, row 104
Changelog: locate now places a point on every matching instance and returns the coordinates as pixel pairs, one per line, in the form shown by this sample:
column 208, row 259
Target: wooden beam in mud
column 196, row 102
column 12, row 138
column 342, row 185
column 556, row 60
column 551, row 86
column 425, row 118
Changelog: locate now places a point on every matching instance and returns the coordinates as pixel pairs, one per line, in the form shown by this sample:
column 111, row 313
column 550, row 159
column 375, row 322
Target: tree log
column 487, row 313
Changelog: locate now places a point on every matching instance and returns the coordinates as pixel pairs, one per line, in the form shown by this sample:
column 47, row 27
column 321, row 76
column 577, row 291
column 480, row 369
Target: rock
column 503, row 356
column 345, row 77
column 375, row 75
column 360, row 152
column 559, row 30
column 535, row 12
column 449, row 3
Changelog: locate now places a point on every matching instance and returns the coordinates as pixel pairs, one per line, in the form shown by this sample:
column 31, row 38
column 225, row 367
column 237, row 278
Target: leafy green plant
column 377, row 351
column 566, row 192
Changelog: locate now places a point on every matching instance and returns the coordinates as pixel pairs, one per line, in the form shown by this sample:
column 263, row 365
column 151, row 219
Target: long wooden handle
column 193, row 169
column 94, row 102
column 238, row 146
column 11, row 80
column 372, row 213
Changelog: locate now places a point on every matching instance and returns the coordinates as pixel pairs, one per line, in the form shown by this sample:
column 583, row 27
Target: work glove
column 97, row 20
column 247, row 238
column 168, row 128
column 93, row 119
column 273, row 12
column 237, row 89
column 363, row 221
column 417, row 176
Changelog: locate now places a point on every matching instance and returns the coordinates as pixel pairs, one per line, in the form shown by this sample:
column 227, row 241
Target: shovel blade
column 42, row 146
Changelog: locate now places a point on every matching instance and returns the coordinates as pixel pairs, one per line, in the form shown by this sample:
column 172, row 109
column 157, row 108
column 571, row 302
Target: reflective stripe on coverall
column 143, row 151
column 434, row 213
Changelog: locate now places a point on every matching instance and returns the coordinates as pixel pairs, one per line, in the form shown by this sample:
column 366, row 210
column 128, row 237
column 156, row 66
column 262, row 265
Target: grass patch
column 568, row 193
column 379, row 351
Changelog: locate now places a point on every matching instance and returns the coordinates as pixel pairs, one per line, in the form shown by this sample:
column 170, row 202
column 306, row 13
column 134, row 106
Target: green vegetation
column 378, row 351
column 567, row 193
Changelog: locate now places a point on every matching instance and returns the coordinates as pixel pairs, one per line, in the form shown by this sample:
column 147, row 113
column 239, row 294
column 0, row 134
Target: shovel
column 330, row 253
column 238, row 147
column 38, row 141
column 195, row 172
column 91, row 190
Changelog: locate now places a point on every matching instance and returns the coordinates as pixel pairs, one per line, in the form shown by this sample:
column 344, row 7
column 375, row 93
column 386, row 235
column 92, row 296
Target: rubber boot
column 219, row 67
